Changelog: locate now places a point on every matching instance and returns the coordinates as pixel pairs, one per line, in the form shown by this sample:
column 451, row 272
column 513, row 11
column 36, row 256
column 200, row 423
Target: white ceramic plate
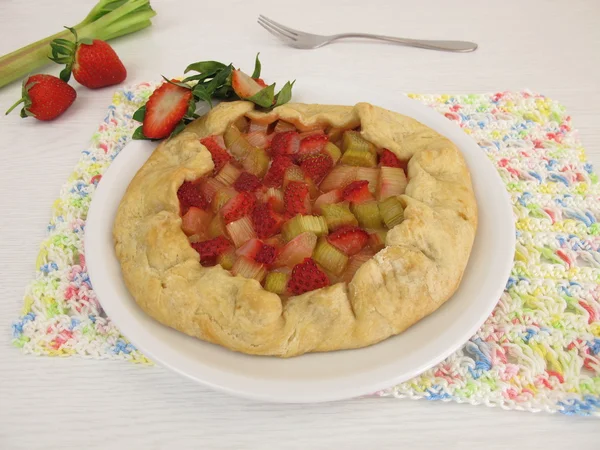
column 324, row 376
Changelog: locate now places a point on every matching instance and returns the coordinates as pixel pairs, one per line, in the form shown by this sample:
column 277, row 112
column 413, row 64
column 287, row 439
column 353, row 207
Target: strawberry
column 316, row 166
column 286, row 143
column 247, row 182
column 243, row 85
column 45, row 97
column 219, row 155
column 313, row 143
column 265, row 221
column 296, row 198
column 266, row 254
column 357, row 192
column 239, row 206
column 165, row 108
column 211, row 249
column 260, row 82
column 274, row 176
column 189, row 195
column 349, row 239
column 389, row 159
column 94, row 63
column 305, row 277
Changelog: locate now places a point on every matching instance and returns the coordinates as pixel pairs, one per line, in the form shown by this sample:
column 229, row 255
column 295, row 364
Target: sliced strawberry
column 389, row 159
column 260, row 82
column 274, row 176
column 357, row 192
column 219, row 154
column 189, row 195
column 313, row 143
column 165, row 108
column 195, row 221
column 296, row 199
column 305, row 277
column 265, row 221
column 239, row 206
column 247, row 182
column 211, row 249
column 244, row 85
column 266, row 254
column 349, row 239
column 286, row 143
column 317, row 166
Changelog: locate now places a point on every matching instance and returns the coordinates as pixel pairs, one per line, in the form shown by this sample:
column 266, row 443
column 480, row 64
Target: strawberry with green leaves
column 45, row 97
column 93, row 63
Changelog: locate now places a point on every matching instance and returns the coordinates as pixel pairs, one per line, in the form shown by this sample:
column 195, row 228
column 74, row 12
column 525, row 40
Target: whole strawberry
column 45, row 97
column 93, row 63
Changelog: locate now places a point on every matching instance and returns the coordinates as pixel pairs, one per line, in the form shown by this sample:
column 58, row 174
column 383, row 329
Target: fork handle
column 448, row 46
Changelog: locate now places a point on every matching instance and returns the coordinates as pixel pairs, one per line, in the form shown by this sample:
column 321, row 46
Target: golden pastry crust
column 420, row 268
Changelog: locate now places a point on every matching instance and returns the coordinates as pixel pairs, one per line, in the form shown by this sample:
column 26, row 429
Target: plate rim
column 175, row 363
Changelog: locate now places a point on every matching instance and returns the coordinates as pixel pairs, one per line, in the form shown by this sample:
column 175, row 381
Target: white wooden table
column 550, row 47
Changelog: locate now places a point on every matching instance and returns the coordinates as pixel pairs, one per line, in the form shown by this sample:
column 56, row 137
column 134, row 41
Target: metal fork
column 300, row 39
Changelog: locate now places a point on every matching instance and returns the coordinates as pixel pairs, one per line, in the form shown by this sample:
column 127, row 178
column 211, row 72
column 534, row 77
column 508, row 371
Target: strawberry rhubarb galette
column 308, row 228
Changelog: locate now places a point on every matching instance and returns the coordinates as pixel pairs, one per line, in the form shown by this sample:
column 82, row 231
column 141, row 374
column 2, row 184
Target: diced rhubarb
column 377, row 239
column 276, row 282
column 209, row 187
column 228, row 174
column 258, row 139
column 367, row 213
column 257, row 127
column 338, row 215
column 301, row 224
column 241, row 231
column 391, row 183
column 391, row 211
column 195, row 221
column 282, row 126
column 330, row 257
column 248, row 268
column 338, row 178
column 216, row 227
column 355, row 262
column 334, row 151
column 227, row 258
column 222, row 197
column 370, row 174
column 328, row 198
column 295, row 251
column 275, row 198
column 257, row 162
column 250, row 249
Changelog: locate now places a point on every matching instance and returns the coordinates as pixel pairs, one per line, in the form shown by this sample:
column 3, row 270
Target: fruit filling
column 294, row 210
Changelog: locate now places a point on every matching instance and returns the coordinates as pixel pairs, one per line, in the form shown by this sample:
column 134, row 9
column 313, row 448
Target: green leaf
column 199, row 77
column 138, row 134
column 176, row 83
column 205, row 66
column 178, row 129
column 285, row 94
column 191, row 111
column 225, row 92
column 140, row 114
column 257, row 67
column 65, row 74
column 264, row 97
column 202, row 94
column 220, row 79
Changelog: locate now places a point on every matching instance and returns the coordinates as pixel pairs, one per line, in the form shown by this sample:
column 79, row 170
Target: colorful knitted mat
column 540, row 349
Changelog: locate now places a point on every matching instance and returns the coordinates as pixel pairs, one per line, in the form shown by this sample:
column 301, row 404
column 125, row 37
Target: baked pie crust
column 418, row 270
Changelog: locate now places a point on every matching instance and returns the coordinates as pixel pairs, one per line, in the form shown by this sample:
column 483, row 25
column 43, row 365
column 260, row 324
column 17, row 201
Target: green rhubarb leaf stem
column 109, row 19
